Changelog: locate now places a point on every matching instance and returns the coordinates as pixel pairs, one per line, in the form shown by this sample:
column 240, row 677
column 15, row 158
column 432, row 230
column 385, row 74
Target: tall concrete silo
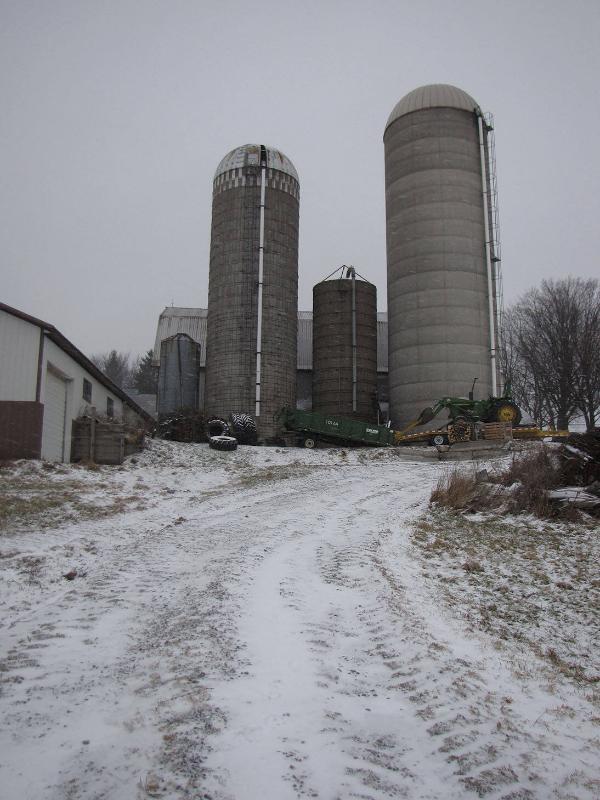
column 440, row 252
column 345, row 347
column 253, row 286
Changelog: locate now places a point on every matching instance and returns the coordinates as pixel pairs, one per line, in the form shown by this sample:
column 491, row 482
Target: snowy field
column 272, row 624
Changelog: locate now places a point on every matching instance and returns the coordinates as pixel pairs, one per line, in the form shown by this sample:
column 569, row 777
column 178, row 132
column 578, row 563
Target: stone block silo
column 440, row 261
column 253, row 286
column 345, row 347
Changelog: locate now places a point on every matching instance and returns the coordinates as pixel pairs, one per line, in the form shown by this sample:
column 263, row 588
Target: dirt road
column 262, row 629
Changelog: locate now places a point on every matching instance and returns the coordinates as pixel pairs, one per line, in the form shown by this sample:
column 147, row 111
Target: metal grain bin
column 441, row 266
column 345, row 348
column 253, row 286
column 178, row 378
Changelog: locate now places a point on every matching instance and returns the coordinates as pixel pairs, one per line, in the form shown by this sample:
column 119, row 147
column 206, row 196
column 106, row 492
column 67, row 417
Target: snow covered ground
column 286, row 624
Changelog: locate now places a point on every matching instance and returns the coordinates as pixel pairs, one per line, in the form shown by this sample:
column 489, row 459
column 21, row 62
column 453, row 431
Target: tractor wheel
column 460, row 431
column 438, row 439
column 244, row 428
column 222, row 442
column 507, row 411
column 216, row 426
column 310, row 442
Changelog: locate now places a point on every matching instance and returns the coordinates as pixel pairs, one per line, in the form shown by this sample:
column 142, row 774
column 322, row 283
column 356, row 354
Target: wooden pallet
column 498, row 431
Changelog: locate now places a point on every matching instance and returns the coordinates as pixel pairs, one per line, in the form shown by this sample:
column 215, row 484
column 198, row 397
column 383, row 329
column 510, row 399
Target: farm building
column 45, row 384
column 190, row 323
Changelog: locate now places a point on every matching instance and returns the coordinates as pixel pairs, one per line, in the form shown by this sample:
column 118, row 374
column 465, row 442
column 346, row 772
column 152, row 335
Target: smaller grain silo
column 345, row 346
column 179, row 374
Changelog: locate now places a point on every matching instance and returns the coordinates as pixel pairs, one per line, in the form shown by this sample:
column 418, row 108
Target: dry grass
column 277, row 473
column 455, row 489
column 569, row 669
column 31, row 567
column 521, row 488
column 520, row 580
column 532, row 474
column 46, row 496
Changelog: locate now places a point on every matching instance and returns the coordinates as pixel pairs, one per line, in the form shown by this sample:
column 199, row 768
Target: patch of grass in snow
column 520, row 580
column 277, row 473
column 31, row 567
column 44, row 497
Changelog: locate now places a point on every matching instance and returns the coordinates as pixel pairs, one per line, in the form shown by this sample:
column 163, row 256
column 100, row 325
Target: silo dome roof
column 435, row 95
column 249, row 154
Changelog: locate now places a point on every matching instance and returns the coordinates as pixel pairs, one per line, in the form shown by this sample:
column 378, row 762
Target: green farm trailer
column 312, row 427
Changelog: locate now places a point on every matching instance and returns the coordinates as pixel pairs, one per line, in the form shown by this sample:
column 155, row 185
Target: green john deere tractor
column 463, row 410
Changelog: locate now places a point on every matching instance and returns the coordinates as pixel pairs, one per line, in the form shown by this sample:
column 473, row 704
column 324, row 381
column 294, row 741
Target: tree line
column 550, row 353
column 130, row 374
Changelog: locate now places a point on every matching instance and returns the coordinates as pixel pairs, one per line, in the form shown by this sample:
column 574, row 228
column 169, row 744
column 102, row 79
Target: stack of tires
column 223, row 435
column 217, row 433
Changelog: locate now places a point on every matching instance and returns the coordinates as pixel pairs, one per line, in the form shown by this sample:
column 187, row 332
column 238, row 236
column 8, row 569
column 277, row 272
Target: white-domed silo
column 253, row 286
column 441, row 259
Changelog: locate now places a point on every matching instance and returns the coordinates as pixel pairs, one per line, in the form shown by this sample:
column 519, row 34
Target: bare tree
column 588, row 355
column 550, row 351
column 518, row 373
column 115, row 366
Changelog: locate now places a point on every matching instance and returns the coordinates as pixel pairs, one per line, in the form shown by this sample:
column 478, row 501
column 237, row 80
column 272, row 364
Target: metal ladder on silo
column 494, row 231
column 496, row 252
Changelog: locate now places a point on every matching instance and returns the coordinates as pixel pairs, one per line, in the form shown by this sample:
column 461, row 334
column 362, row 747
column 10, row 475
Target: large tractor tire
column 216, row 426
column 222, row 442
column 506, row 411
column 243, row 427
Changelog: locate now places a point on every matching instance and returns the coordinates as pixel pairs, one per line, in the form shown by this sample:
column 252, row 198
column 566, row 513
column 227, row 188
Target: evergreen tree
column 145, row 376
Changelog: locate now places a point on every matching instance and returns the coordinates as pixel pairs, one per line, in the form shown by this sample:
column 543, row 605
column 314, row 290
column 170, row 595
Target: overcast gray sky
column 115, row 113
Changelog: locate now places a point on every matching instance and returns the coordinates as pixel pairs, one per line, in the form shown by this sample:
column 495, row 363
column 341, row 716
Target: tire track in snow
column 317, row 696
column 358, row 686
column 277, row 642
column 122, row 633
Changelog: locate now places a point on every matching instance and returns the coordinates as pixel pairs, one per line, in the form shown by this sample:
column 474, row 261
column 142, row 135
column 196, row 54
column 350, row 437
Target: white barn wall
column 41, row 389
column 19, row 346
column 74, row 374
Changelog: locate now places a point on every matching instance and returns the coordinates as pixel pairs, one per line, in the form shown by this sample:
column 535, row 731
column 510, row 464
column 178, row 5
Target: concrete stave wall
column 232, row 297
column 437, row 280
column 230, row 382
column 332, row 348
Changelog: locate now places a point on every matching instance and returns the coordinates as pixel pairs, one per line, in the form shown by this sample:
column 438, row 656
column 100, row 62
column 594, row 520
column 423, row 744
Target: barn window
column 87, row 390
column 110, row 407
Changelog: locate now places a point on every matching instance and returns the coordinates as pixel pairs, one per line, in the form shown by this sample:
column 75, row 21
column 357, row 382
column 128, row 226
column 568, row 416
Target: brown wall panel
column 20, row 429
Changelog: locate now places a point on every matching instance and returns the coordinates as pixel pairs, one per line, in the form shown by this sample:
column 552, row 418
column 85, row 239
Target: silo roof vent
column 435, row 95
column 251, row 154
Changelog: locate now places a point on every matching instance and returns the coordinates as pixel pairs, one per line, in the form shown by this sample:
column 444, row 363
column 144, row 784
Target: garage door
column 55, row 408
